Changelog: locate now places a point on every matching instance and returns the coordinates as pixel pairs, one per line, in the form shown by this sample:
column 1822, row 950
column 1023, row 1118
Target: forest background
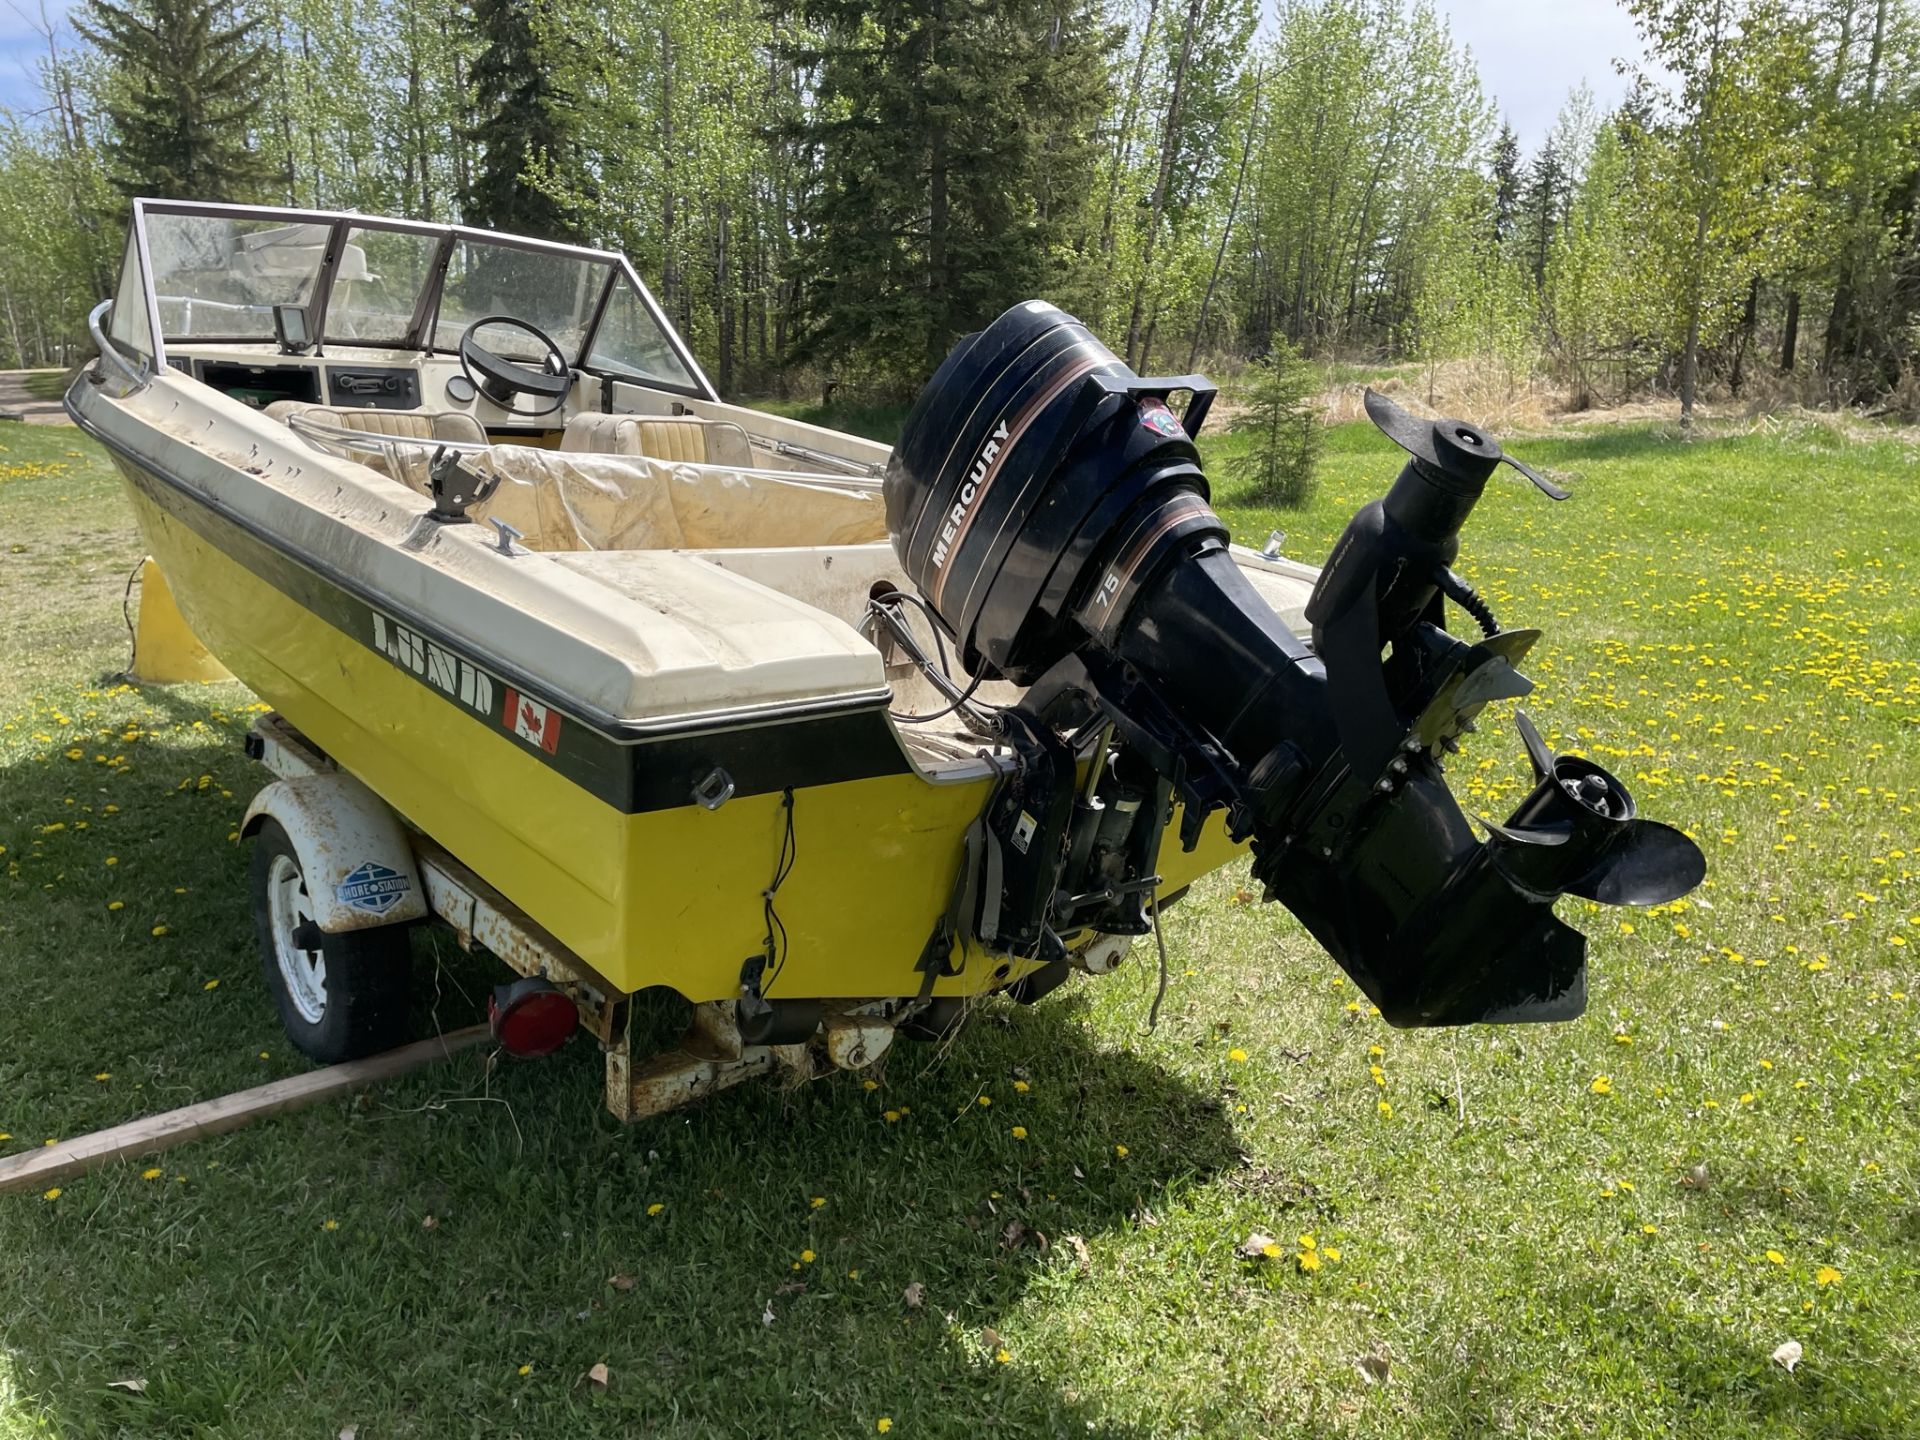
column 831, row 190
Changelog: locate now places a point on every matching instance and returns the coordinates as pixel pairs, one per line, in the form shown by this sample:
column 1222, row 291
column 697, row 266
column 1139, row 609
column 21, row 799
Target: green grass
column 876, row 420
column 1732, row 624
column 47, row 384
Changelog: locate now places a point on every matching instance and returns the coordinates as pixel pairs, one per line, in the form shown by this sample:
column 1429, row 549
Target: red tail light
column 530, row 1018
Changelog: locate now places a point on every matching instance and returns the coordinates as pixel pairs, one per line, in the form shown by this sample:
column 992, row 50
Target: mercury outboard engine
column 1051, row 509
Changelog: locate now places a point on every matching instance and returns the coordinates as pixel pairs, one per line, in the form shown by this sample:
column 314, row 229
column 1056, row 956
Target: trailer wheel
column 340, row 996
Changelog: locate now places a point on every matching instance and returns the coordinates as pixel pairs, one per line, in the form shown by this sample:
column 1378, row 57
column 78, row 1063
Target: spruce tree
column 1543, row 204
column 1282, row 421
column 184, row 86
column 522, row 128
column 1506, row 181
column 954, row 141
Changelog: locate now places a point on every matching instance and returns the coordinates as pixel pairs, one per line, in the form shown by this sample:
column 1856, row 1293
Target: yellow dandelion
column 211, row 985
column 1121, row 1151
column 806, row 1257
column 1020, row 1087
column 1774, row 1257
column 525, row 1370
column 1308, row 1260
column 1271, row 1251
column 1826, row 1275
column 153, row 1172
column 883, row 1424
column 1332, row 1252
column 1001, row 1357
column 325, row 1225
column 116, row 905
column 1385, row 1109
column 1649, row 1229
column 655, row 1208
column 104, row 1075
column 1019, row 1132
column 892, row 1117
column 1237, row 1055
column 983, row 1100
column 1602, row 1085
column 159, row 930
column 816, row 1202
column 869, row 1085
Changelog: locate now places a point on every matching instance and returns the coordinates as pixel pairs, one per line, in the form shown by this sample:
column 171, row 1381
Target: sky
column 1530, row 53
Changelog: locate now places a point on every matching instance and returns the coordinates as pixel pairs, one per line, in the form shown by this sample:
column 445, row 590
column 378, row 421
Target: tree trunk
column 940, row 293
column 1124, row 139
column 1169, row 138
column 1690, row 357
column 1226, row 230
column 669, row 280
column 1749, row 313
column 1790, row 332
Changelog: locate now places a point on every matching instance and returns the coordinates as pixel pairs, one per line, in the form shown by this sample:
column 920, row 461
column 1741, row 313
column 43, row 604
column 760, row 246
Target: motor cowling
column 1052, row 510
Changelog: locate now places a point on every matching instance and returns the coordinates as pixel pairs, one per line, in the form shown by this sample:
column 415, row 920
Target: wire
column 783, row 867
column 1160, row 941
column 940, row 678
column 959, row 700
column 117, row 677
column 1468, row 599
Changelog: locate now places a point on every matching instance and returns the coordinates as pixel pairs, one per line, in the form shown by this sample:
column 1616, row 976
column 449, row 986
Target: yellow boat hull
column 663, row 897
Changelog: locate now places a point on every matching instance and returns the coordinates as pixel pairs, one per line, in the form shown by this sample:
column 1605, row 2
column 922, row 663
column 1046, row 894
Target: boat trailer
column 348, row 841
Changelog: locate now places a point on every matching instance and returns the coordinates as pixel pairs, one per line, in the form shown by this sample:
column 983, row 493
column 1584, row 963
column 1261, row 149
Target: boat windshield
column 217, row 272
column 218, row 278
column 553, row 291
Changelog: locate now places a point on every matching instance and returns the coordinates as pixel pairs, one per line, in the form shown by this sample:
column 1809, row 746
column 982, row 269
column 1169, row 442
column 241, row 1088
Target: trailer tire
column 341, row 999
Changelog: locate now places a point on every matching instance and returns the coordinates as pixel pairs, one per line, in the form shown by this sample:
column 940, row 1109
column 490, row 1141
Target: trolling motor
column 1051, row 509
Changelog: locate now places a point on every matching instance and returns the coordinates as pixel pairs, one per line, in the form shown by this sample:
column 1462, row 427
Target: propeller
column 1451, row 446
column 1578, row 833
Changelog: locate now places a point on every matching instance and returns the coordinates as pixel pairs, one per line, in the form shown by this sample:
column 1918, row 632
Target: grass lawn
column 1501, row 1215
column 47, row 384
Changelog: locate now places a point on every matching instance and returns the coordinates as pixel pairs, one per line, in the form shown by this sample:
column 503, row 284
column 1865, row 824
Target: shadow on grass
column 393, row 1260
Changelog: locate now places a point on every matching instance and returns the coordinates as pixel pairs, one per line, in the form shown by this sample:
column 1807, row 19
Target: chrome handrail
column 138, row 376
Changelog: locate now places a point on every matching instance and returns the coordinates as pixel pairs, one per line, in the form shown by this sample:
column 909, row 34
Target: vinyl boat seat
column 681, row 439
column 455, row 425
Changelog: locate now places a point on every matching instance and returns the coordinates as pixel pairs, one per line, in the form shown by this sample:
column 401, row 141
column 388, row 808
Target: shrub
column 1282, row 421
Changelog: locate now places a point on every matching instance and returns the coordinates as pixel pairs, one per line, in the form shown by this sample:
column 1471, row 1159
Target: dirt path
column 17, row 402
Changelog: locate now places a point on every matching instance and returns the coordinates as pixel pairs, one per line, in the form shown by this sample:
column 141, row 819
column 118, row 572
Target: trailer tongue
column 1052, row 511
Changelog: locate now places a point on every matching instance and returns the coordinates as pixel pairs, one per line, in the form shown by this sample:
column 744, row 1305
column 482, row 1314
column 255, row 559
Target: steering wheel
column 501, row 380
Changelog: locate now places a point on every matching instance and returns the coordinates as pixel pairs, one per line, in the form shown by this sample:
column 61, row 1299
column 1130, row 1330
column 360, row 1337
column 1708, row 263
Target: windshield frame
column 422, row 328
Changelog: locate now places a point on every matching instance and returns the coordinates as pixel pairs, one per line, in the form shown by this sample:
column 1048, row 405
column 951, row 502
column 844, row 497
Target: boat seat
column 455, row 425
column 680, row 439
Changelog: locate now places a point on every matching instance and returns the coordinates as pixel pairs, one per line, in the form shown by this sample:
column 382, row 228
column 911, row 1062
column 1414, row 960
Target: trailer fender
column 353, row 851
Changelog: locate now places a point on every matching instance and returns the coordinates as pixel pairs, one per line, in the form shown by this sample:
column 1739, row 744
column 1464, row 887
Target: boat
column 646, row 692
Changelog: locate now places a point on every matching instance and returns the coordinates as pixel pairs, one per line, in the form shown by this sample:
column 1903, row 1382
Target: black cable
column 942, row 678
column 783, row 867
column 959, row 700
column 1468, row 599
column 933, row 624
column 118, row 677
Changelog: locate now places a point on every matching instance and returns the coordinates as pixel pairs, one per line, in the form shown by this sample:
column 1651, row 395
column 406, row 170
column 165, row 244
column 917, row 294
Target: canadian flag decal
column 531, row 721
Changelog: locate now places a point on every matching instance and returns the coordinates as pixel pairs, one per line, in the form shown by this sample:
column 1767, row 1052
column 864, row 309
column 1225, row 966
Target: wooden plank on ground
column 37, row 1169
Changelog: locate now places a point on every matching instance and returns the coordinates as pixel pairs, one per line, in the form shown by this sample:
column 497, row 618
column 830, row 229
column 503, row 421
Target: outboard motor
column 1051, row 509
